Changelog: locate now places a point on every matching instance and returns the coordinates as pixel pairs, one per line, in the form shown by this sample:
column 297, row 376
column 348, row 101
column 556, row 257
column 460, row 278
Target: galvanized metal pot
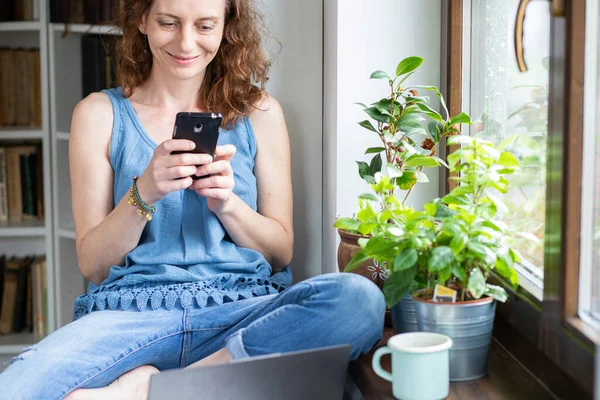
column 404, row 318
column 469, row 324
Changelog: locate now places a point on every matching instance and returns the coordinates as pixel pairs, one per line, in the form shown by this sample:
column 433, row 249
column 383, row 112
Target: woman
column 206, row 279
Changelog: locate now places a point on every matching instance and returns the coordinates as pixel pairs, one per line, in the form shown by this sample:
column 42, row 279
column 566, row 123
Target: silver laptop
column 310, row 374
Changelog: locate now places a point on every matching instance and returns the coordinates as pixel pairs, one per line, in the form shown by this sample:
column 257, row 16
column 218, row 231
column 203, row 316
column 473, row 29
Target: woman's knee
column 355, row 295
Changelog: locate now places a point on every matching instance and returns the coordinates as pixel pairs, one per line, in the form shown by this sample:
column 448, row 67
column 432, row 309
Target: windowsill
column 586, row 331
column 531, row 283
column 507, row 378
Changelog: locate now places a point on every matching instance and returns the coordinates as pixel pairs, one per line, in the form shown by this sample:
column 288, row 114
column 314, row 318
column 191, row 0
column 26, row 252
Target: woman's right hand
column 168, row 172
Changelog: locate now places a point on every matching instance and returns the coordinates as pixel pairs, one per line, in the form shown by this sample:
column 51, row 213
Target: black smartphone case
column 201, row 128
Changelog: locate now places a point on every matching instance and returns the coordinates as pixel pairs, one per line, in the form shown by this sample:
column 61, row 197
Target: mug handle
column 377, row 363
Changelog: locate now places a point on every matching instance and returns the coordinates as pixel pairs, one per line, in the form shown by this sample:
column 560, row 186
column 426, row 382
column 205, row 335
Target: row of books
column 21, row 183
column 98, row 63
column 23, row 295
column 82, row 11
column 20, row 10
column 20, row 87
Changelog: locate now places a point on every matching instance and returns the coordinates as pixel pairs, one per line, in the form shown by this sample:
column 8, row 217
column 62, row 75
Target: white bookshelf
column 64, row 49
column 32, row 237
column 60, row 60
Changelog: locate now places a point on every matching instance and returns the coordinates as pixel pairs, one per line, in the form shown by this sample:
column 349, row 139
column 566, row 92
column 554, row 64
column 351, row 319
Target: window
column 510, row 107
column 589, row 298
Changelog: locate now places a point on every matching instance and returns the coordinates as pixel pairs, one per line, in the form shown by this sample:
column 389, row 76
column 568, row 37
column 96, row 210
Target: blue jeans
column 94, row 350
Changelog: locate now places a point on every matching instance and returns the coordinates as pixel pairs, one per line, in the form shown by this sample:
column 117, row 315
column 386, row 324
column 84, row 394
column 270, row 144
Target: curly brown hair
column 235, row 79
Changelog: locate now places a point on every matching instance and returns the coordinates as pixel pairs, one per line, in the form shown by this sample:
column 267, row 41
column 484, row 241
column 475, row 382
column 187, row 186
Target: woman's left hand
column 217, row 188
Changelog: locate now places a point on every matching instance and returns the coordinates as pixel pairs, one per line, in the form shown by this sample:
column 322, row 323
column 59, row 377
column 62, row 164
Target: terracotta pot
column 369, row 269
column 346, row 250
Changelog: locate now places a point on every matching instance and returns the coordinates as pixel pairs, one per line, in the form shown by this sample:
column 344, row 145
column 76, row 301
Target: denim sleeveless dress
column 184, row 257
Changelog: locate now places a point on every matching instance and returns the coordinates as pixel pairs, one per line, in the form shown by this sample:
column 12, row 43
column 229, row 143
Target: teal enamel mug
column 420, row 365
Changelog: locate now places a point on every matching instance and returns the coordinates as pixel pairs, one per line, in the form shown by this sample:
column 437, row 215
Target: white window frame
column 590, row 132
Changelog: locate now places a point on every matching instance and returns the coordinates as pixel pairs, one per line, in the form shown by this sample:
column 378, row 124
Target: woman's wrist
column 144, row 193
column 135, row 200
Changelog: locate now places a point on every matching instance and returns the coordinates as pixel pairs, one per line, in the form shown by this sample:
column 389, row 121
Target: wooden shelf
column 13, row 344
column 86, row 28
column 20, row 26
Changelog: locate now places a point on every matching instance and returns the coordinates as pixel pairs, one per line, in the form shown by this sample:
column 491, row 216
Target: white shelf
column 20, row 26
column 21, row 133
column 23, row 229
column 63, row 136
column 13, row 344
column 67, row 233
column 85, row 28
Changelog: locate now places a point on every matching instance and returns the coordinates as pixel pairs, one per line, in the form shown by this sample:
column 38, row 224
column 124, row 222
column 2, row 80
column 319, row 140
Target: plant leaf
column 461, row 118
column 374, row 113
column 430, row 112
column 483, row 252
column 363, row 168
column 375, row 165
column 369, row 196
column 458, row 242
column 347, row 224
column 439, row 160
column 407, row 65
column 496, row 292
column 418, row 160
column 504, row 262
column 366, row 124
column 440, row 258
column 507, row 159
column 372, row 150
column 405, row 260
column 379, row 74
column 396, row 286
column 358, row 258
column 476, row 283
column 459, row 273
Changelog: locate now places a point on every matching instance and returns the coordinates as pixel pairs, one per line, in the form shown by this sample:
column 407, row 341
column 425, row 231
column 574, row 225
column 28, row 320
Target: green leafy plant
column 410, row 131
column 456, row 240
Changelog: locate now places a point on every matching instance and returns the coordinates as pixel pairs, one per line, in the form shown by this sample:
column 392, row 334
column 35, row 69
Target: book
column 14, row 176
column 7, row 87
column 3, row 187
column 9, row 295
column 20, row 307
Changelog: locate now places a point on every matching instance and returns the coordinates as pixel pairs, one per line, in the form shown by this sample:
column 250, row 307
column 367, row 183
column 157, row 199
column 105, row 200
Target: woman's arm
column 103, row 235
column 270, row 230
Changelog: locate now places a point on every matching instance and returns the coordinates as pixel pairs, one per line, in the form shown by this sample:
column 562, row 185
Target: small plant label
column 443, row 294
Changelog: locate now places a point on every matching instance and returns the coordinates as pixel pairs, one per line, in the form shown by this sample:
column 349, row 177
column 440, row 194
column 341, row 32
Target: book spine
column 3, row 187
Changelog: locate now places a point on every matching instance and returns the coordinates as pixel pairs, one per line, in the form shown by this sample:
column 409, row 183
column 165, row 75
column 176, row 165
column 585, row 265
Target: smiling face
column 184, row 35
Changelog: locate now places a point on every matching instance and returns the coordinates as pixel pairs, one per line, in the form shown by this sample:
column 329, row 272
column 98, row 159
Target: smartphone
column 201, row 128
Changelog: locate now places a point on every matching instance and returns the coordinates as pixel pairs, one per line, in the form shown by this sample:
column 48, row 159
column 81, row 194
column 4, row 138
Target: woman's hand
column 168, row 172
column 217, row 188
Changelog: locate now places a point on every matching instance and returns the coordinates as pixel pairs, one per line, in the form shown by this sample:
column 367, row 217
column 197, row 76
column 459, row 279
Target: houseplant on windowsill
column 456, row 241
column 410, row 131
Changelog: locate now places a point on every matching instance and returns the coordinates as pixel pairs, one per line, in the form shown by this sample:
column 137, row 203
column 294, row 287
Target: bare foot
column 133, row 385
column 218, row 357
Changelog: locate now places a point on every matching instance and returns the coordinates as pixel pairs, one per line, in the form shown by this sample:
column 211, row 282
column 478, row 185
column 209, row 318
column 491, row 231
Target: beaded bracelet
column 136, row 201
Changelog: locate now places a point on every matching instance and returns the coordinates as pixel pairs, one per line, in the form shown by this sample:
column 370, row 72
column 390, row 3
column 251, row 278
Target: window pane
column 592, row 156
column 508, row 106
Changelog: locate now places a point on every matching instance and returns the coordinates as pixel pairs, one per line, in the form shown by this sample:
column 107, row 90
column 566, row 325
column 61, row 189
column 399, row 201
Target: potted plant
column 410, row 131
column 455, row 242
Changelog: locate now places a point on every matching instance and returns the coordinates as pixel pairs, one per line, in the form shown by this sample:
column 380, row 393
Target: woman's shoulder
column 93, row 113
column 95, row 108
column 266, row 115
